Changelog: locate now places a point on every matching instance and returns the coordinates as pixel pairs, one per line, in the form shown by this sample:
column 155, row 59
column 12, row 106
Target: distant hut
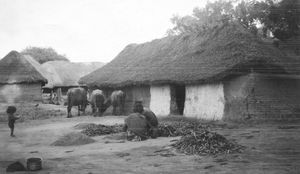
column 63, row 75
column 21, row 79
column 225, row 73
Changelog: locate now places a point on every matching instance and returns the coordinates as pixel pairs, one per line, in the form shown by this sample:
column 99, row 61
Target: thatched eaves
column 189, row 59
column 67, row 74
column 16, row 68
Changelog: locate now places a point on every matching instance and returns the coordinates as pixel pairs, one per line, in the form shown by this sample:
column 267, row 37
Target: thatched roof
column 188, row 59
column 66, row 74
column 16, row 68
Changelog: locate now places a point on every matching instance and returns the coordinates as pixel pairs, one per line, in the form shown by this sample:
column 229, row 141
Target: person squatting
column 141, row 124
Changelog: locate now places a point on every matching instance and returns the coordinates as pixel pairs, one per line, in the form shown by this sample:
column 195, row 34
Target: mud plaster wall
column 260, row 96
column 160, row 100
column 204, row 101
column 136, row 93
column 19, row 93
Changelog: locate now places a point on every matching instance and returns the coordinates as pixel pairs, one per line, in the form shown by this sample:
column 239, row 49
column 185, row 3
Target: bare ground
column 270, row 148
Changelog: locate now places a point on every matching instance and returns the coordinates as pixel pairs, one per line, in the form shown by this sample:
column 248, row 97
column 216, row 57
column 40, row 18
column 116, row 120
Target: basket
column 34, row 164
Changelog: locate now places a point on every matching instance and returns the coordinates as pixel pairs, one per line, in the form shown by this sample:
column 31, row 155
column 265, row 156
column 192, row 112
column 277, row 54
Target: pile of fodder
column 204, row 142
column 196, row 139
column 84, row 125
column 73, row 139
column 179, row 126
column 100, row 129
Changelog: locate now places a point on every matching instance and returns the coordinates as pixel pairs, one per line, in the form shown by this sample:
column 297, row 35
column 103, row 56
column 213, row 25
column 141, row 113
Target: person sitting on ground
column 150, row 117
column 136, row 127
column 11, row 119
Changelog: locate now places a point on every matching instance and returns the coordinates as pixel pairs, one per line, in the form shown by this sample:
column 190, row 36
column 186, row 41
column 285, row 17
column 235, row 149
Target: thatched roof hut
column 186, row 59
column 16, row 68
column 62, row 75
column 67, row 74
column 21, row 78
column 226, row 72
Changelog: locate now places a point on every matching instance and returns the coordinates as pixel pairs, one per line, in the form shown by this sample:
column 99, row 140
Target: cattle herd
column 141, row 123
column 80, row 97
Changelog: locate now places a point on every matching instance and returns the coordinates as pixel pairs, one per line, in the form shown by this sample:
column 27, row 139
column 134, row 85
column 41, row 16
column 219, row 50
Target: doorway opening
column 180, row 98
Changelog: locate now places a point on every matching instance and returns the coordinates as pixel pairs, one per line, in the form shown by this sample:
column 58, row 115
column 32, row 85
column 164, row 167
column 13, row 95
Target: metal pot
column 34, row 164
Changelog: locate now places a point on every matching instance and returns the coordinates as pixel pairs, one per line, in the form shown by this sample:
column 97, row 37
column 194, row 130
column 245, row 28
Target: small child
column 11, row 119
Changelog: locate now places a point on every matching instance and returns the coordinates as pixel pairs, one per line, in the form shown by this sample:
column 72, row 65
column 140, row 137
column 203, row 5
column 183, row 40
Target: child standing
column 11, row 119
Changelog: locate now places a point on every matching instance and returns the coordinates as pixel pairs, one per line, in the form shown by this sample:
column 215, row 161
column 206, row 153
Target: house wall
column 18, row 93
column 136, row 93
column 204, row 101
column 160, row 102
column 262, row 96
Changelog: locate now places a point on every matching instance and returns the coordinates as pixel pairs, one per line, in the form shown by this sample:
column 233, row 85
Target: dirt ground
column 270, row 148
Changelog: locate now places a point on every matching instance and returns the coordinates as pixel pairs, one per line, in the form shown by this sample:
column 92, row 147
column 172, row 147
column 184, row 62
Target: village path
column 270, row 148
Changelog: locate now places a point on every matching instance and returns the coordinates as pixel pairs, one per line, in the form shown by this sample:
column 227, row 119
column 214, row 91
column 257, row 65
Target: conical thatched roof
column 188, row 59
column 16, row 68
column 66, row 74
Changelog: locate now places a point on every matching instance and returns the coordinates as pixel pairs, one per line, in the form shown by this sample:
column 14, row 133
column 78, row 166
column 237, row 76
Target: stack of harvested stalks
column 178, row 128
column 206, row 143
column 196, row 139
column 97, row 130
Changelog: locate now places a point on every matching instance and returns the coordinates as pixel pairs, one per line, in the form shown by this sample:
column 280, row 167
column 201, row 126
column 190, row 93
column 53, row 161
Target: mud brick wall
column 260, row 96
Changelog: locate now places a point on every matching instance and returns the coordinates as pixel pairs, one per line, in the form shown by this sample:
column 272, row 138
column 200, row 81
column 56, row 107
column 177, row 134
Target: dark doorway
column 180, row 98
column 64, row 90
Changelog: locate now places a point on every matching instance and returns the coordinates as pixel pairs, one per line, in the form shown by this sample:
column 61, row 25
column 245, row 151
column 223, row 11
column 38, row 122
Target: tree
column 43, row 55
column 203, row 19
column 284, row 19
column 280, row 17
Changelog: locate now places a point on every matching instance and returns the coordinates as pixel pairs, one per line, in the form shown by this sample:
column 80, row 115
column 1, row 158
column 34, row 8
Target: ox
column 97, row 102
column 77, row 97
column 117, row 100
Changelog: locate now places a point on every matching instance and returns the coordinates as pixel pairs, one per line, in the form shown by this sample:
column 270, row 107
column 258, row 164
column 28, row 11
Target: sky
column 86, row 30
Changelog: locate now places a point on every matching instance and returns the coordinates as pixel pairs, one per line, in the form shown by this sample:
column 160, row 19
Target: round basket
column 34, row 164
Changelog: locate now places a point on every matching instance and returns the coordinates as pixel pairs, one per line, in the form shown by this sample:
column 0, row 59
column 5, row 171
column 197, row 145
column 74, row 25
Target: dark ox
column 77, row 97
column 117, row 100
column 97, row 102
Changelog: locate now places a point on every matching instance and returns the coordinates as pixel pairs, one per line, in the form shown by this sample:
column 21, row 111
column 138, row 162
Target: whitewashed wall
column 205, row 101
column 18, row 93
column 160, row 100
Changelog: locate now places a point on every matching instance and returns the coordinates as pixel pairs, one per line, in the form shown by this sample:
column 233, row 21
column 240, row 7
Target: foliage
column 43, row 55
column 203, row 19
column 280, row 17
column 284, row 19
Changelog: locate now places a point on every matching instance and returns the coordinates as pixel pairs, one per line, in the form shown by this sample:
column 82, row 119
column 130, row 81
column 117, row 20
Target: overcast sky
column 86, row 30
